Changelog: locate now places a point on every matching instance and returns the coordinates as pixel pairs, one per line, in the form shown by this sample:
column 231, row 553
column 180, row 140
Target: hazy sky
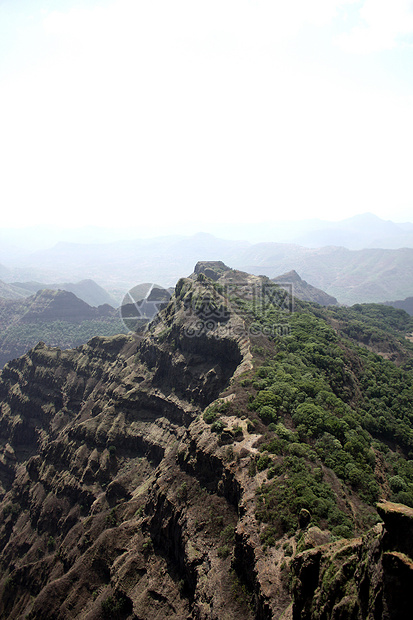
column 153, row 111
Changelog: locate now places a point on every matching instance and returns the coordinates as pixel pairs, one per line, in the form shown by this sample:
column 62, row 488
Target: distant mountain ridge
column 58, row 318
column 12, row 291
column 87, row 290
column 351, row 276
column 49, row 305
column 370, row 274
column 402, row 304
column 304, row 291
column 361, row 231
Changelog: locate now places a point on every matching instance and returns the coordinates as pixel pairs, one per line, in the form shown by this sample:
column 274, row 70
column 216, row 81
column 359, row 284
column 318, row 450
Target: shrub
column 182, row 492
column 268, row 414
column 228, row 533
column 252, row 468
column 223, row 552
column 342, row 531
column 263, row 462
column 116, row 606
column 210, row 415
column 217, row 426
column 147, row 547
column 250, row 426
column 111, row 519
column 397, row 484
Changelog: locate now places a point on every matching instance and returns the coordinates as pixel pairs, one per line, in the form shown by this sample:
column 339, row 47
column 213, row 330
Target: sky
column 157, row 112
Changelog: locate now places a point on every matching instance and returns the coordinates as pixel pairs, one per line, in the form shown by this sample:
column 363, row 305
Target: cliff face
column 117, row 500
column 365, row 579
column 124, row 495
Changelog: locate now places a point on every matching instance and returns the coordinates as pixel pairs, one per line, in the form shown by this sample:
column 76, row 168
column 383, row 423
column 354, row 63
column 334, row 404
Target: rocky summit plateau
column 240, row 457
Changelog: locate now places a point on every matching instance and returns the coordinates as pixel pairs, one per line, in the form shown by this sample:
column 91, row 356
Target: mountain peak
column 290, row 276
column 304, row 291
column 214, row 269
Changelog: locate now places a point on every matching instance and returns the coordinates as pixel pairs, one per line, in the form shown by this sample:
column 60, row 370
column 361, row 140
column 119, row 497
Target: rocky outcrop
column 212, row 269
column 368, row 578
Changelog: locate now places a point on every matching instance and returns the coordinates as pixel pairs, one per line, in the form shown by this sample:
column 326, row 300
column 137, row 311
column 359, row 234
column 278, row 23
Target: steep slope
column 180, row 472
column 56, row 317
column 106, row 445
column 364, row 579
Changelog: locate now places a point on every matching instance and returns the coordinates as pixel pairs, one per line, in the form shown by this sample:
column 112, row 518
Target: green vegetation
column 147, row 547
column 223, row 552
column 212, row 413
column 111, row 519
column 20, row 337
column 328, row 400
column 217, row 426
column 182, row 492
column 116, row 606
column 299, row 485
column 62, row 334
column 11, row 509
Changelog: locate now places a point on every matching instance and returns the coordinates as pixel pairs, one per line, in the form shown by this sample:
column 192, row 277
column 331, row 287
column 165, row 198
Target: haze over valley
column 374, row 262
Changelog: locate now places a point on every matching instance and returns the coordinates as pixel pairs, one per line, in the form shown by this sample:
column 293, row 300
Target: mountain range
column 231, row 459
column 300, row 289
column 352, row 276
column 87, row 290
column 358, row 232
column 362, row 259
column 58, row 318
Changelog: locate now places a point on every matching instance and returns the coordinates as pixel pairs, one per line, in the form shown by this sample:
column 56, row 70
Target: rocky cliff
column 117, row 498
column 366, row 578
column 132, row 471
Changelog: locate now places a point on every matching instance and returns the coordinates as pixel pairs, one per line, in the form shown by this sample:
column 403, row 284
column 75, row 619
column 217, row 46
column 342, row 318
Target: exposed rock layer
column 117, row 499
column 369, row 578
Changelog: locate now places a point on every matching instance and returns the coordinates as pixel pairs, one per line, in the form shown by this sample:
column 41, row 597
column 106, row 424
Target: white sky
column 157, row 111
